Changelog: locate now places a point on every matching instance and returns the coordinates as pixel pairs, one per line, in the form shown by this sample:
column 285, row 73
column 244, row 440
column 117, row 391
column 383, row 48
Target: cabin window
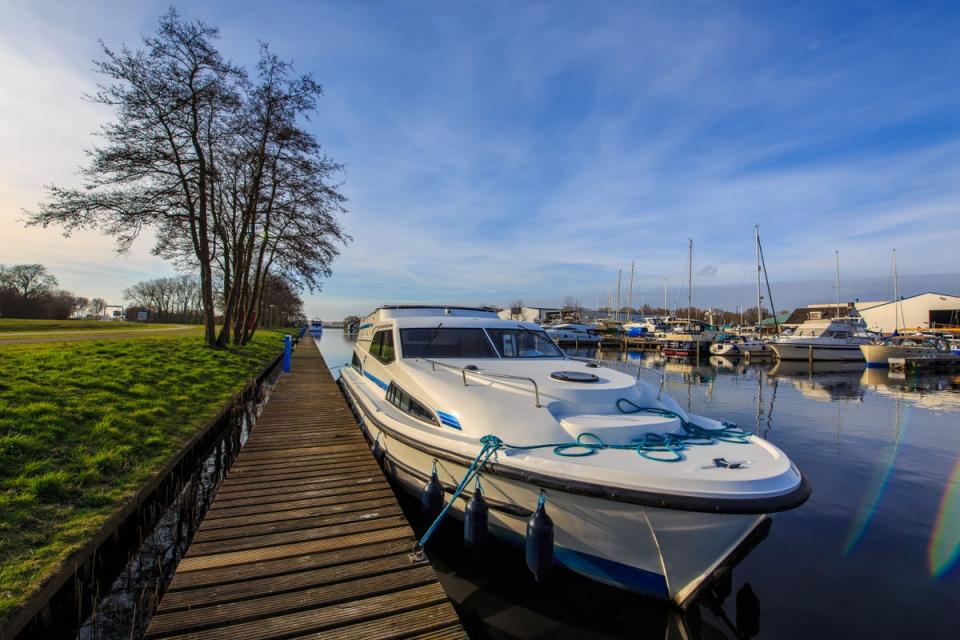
column 355, row 363
column 403, row 401
column 524, row 343
column 445, row 343
column 816, row 315
column 382, row 346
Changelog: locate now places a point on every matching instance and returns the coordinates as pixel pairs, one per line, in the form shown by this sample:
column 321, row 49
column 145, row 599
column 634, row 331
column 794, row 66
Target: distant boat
column 569, row 332
column 316, row 327
column 733, row 347
column 910, row 346
column 687, row 338
column 831, row 339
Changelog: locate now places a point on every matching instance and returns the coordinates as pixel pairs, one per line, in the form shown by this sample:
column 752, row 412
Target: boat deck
column 305, row 536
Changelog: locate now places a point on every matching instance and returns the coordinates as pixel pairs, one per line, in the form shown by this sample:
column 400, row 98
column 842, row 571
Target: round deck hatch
column 574, row 376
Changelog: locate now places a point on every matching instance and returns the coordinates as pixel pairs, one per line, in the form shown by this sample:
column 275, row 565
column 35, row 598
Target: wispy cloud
column 531, row 150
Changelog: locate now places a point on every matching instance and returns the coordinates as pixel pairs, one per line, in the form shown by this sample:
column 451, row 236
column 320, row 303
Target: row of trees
column 31, row 291
column 218, row 163
column 179, row 299
column 174, row 299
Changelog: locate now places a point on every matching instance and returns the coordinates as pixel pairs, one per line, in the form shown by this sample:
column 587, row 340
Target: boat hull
column 661, row 552
column 878, row 355
column 787, row 351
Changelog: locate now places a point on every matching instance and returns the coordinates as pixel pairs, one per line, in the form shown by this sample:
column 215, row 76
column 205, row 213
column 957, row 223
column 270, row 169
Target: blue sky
column 501, row 150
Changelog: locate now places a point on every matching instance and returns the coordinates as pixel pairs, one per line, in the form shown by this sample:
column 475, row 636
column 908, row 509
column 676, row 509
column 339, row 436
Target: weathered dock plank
column 305, row 537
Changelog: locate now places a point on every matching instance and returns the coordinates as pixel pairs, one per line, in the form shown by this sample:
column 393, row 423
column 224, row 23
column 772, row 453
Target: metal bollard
column 287, row 353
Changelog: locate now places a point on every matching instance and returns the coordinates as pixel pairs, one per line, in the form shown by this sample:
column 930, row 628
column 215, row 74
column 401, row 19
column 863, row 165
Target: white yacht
column 828, row 339
column 458, row 397
column 572, row 333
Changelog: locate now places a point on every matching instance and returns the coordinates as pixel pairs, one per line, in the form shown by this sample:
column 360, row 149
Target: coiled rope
column 666, row 447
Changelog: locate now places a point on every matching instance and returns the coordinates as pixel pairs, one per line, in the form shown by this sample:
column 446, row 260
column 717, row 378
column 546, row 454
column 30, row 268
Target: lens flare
column 876, row 489
column 944, row 549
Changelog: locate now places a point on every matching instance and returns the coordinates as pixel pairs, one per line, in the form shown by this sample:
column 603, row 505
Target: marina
column 875, row 446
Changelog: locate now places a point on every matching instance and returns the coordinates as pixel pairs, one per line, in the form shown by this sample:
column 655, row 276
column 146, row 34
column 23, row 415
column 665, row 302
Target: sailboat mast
column 619, row 278
column 756, row 229
column 896, row 295
column 666, row 309
column 690, row 281
column 837, row 256
column 630, row 294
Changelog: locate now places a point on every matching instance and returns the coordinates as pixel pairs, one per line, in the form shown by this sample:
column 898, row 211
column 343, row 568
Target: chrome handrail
column 486, row 374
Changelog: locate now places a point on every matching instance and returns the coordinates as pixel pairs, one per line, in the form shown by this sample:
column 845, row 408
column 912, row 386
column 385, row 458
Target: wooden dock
column 305, row 536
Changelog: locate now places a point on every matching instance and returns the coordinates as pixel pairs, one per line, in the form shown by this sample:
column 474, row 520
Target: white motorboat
column 906, row 346
column 830, row 339
column 736, row 347
column 636, row 499
column 572, row 333
column 316, row 327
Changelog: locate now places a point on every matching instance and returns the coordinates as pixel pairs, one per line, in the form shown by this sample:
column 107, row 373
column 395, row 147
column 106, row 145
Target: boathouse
column 922, row 311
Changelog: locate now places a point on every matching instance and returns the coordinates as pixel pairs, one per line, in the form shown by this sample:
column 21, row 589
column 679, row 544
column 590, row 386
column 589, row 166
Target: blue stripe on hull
column 377, row 381
column 877, row 365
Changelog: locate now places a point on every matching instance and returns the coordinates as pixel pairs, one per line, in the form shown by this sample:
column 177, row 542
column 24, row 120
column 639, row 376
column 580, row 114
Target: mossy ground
column 84, row 424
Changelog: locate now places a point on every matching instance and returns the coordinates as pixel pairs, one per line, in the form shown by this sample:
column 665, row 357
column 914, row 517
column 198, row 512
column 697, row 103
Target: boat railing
column 487, row 374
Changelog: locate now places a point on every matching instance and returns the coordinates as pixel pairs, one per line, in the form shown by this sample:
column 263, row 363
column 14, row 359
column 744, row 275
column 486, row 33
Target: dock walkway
column 305, row 536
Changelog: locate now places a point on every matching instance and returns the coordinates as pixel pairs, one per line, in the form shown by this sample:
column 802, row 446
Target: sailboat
column 688, row 337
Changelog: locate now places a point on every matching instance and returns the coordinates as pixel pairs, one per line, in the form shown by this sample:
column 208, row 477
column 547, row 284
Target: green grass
column 83, row 426
column 16, row 324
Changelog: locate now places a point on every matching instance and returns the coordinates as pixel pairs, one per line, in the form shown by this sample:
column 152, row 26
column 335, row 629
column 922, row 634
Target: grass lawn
column 16, row 324
column 84, row 424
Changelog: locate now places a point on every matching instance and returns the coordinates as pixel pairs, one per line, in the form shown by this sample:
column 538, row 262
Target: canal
column 873, row 553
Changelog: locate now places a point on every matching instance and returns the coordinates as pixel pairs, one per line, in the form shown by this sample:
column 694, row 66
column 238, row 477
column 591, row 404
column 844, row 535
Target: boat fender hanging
column 378, row 450
column 539, row 543
column 476, row 520
column 431, row 500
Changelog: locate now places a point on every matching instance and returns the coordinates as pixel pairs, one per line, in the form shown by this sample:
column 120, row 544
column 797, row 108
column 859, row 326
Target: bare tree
column 217, row 164
column 28, row 280
column 98, row 306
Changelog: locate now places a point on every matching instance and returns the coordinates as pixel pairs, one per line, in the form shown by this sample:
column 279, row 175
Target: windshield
column 445, row 343
column 523, row 343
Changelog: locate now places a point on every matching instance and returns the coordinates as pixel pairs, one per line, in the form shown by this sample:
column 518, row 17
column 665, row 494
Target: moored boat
column 316, row 327
column 635, row 498
column 834, row 340
column 572, row 333
column 905, row 346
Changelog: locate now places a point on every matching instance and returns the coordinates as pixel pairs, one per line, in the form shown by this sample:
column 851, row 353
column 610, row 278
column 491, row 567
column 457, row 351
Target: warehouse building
column 922, row 311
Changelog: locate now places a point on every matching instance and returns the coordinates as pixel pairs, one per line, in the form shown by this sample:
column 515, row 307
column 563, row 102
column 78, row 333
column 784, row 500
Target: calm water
column 873, row 553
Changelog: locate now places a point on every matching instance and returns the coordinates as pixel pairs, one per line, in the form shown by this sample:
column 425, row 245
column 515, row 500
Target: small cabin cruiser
column 836, row 339
column 640, row 494
column 572, row 333
column 316, row 327
column 736, row 346
column 918, row 346
column 686, row 338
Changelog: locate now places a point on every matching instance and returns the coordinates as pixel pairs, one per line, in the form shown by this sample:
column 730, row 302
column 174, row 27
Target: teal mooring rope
column 658, row 447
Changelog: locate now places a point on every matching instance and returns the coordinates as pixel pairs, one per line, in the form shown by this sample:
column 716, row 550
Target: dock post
column 287, row 352
column 810, row 355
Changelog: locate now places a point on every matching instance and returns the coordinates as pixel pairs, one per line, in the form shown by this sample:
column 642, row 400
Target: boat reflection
column 496, row 597
column 937, row 392
column 822, row 381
